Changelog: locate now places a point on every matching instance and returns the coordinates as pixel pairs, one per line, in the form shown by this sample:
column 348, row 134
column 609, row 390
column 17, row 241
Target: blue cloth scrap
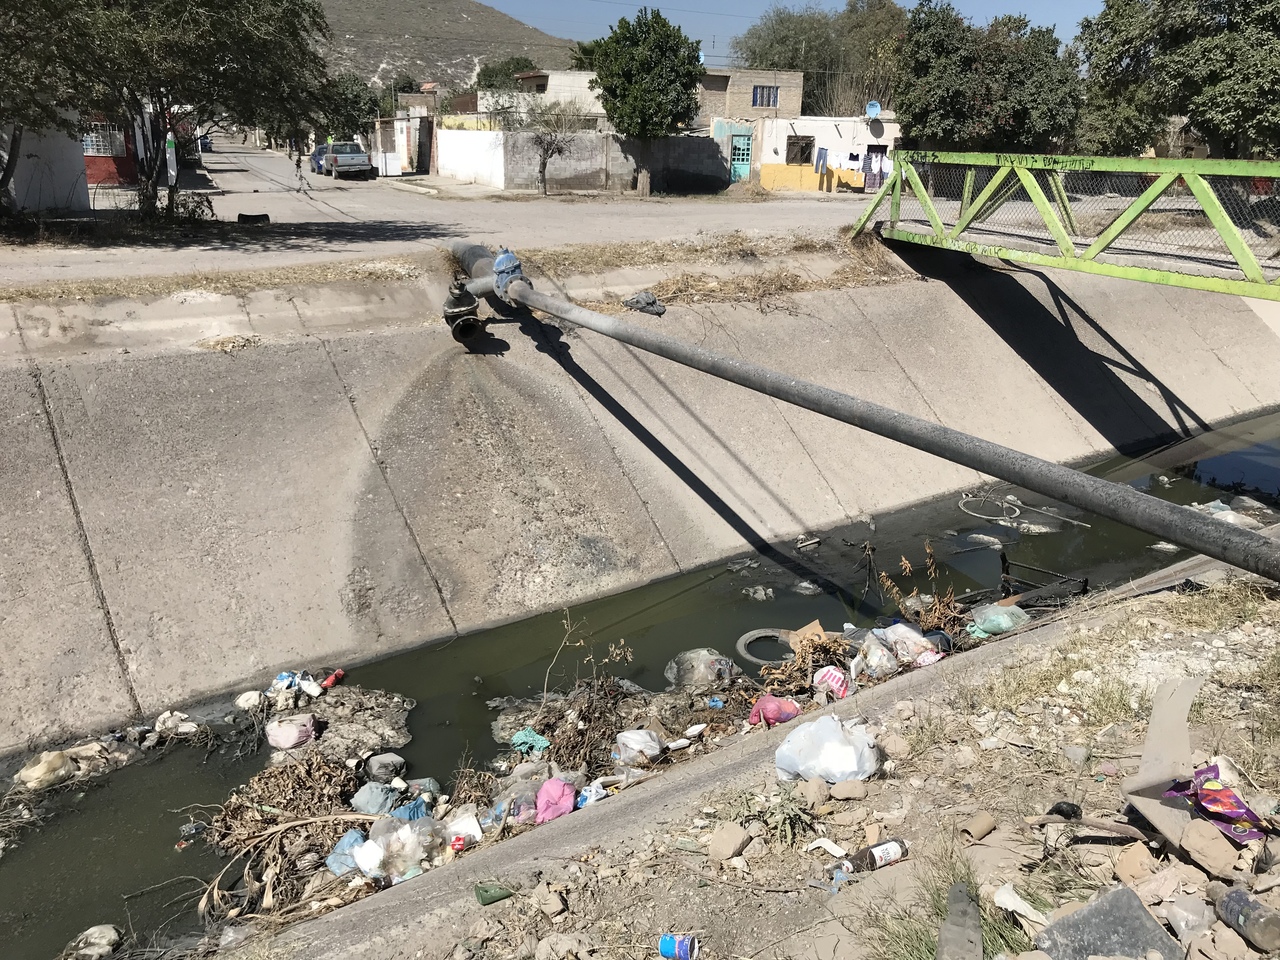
column 375, row 798
column 529, row 741
column 340, row 861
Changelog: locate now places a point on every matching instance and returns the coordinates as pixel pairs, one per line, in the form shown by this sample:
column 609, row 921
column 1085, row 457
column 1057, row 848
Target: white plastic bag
column 828, row 750
column 637, row 746
column 993, row 619
column 874, row 659
column 704, row 667
column 906, row 641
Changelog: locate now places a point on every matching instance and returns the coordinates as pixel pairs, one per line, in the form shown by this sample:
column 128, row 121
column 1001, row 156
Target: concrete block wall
column 608, row 162
column 738, row 100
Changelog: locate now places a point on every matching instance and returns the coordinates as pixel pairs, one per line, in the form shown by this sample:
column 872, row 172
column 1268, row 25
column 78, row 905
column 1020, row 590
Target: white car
column 347, row 156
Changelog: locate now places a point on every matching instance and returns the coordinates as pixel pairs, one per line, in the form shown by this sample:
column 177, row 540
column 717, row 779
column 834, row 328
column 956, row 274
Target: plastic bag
column 827, row 750
column 874, row 659
column 375, row 798
column 773, row 710
column 51, row 769
column 832, row 680
column 518, row 804
column 368, row 857
column 593, row 792
column 555, row 799
column 700, row 668
column 994, row 619
column 340, row 861
column 411, row 811
column 638, row 746
column 291, row 732
column 401, row 845
column 906, row 641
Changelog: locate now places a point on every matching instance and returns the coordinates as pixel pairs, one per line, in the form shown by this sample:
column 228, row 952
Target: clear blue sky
column 715, row 22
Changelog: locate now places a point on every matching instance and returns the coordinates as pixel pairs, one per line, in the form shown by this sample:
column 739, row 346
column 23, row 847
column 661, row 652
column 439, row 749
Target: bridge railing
column 1208, row 224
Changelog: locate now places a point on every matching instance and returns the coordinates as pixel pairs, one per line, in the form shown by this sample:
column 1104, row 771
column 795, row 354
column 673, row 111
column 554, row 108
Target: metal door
column 740, row 159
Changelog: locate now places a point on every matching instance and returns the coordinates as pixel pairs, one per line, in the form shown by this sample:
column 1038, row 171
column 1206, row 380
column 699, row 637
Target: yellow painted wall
column 782, row 176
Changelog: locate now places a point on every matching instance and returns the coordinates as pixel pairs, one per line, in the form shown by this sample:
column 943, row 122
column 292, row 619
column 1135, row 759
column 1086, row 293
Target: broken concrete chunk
column 727, row 842
column 549, row 901
column 1205, row 844
column 1166, row 756
column 895, row 746
column 813, row 792
column 960, row 937
column 1116, row 924
column 849, row 790
column 1135, row 863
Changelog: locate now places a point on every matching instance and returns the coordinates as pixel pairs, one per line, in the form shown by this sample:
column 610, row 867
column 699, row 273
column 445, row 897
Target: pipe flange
column 506, row 267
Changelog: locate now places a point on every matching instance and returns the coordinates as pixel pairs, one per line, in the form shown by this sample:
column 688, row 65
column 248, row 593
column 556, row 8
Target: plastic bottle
column 878, row 855
column 1253, row 920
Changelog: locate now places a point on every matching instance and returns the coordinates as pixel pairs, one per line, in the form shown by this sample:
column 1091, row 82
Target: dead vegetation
column 233, row 283
column 277, row 830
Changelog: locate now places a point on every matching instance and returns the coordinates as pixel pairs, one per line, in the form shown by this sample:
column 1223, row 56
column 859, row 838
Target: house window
column 800, row 150
column 540, row 88
column 103, row 140
column 764, row 96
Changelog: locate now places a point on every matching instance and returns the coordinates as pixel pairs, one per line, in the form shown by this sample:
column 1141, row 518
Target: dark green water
column 119, row 838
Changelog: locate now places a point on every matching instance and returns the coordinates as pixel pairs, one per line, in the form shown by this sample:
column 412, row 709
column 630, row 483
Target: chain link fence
column 1177, row 227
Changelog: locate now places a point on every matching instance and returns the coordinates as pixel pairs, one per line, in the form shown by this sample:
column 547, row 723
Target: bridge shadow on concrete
column 550, row 340
column 1049, row 340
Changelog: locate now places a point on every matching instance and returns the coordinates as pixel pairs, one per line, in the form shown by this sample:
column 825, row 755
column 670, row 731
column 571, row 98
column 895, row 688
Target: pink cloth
column 555, row 799
column 773, row 710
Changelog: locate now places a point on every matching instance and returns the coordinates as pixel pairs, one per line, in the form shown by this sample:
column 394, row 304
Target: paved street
column 340, row 220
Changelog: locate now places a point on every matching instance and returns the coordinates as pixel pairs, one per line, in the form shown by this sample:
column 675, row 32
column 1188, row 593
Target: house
column 749, row 94
column 49, row 173
column 565, row 86
column 782, row 153
column 110, row 152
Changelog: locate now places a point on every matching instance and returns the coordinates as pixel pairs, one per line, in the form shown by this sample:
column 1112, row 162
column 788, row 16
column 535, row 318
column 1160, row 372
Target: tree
column 404, row 83
column 175, row 65
column 555, row 127
column 583, row 55
column 1123, row 111
column 1005, row 86
column 49, row 49
column 502, row 74
column 847, row 57
column 647, row 74
column 348, row 106
column 803, row 38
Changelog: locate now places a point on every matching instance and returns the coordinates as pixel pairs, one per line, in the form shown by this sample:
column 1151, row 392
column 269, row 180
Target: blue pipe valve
column 506, row 267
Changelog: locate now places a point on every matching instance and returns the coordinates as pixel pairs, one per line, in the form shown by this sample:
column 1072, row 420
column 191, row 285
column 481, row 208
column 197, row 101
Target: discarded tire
column 768, row 633
column 254, row 218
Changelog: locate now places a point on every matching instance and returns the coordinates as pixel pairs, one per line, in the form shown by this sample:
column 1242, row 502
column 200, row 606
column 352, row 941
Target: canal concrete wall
column 201, row 490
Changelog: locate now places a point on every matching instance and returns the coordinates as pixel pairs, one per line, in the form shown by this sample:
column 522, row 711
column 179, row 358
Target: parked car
column 347, row 156
column 317, row 157
column 206, row 143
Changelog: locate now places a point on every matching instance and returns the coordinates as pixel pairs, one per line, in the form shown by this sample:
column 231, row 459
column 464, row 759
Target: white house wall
column 840, row 135
column 472, row 156
column 50, row 174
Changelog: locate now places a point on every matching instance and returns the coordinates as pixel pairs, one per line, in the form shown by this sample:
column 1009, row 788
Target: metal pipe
column 1176, row 524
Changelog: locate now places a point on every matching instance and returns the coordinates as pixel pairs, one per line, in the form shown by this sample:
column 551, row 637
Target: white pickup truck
column 347, row 156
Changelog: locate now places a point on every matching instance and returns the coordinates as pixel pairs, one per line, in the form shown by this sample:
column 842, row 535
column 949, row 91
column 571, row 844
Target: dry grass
column 1222, row 606
column 735, row 247
column 231, row 282
column 906, row 927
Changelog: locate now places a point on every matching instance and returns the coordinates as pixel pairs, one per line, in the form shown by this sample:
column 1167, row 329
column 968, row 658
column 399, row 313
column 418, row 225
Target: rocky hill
column 443, row 40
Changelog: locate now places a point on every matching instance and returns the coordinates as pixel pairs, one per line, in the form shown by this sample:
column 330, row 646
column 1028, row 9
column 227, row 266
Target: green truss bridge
column 1207, row 224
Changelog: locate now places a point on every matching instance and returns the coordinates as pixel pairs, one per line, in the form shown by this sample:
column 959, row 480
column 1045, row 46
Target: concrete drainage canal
column 132, row 847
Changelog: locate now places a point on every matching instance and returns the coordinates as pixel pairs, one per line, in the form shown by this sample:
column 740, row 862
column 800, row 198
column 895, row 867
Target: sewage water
column 116, row 839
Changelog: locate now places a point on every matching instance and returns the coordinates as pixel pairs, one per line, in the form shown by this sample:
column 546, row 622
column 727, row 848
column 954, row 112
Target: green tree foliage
column 256, row 63
column 502, row 74
column 1123, row 111
column 404, row 83
column 1213, row 61
column 347, row 106
column 1005, row 86
column 847, row 56
column 583, row 55
column 647, row 74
